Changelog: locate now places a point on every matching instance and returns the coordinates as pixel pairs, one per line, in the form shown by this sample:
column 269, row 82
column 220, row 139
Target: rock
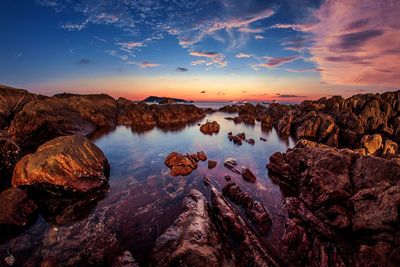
column 192, row 240
column 9, row 260
column 251, row 141
column 248, row 175
column 100, row 109
column 11, row 102
column 210, row 128
column 390, row 149
column 245, row 244
column 231, row 164
column 227, row 177
column 284, row 124
column 180, row 164
column 254, row 210
column 10, row 153
column 43, row 120
column 70, row 163
column 144, row 115
column 372, row 143
column 202, row 156
column 237, row 139
column 206, row 181
column 125, row 260
column 212, row 164
column 263, row 139
column 17, row 210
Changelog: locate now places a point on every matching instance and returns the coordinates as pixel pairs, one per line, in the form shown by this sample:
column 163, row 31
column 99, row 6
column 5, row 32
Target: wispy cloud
column 243, row 55
column 214, row 58
column 180, row 69
column 271, row 62
column 289, row 96
column 259, row 37
column 146, row 64
column 83, row 61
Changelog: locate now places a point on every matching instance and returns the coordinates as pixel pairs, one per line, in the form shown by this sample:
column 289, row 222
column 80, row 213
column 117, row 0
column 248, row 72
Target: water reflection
column 144, row 199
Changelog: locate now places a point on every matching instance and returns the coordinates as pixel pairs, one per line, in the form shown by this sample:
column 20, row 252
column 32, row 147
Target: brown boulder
column 192, row 240
column 180, row 164
column 210, row 128
column 43, row 120
column 70, row 163
column 17, row 210
column 372, row 143
column 202, row 156
column 248, row 175
column 212, row 164
column 100, row 109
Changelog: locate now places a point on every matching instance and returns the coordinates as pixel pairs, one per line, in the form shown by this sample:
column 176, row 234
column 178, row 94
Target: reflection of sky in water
column 144, row 199
column 142, row 155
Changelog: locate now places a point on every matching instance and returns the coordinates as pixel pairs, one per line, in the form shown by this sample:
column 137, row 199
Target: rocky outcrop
column 183, row 164
column 11, row 102
column 254, row 210
column 9, row 155
column 99, row 109
column 143, row 115
column 17, row 210
column 210, row 128
column 192, row 239
column 43, row 120
column 339, row 195
column 372, row 143
column 67, row 163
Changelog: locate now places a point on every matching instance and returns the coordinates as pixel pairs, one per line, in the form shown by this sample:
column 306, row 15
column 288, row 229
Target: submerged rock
column 66, row 163
column 192, row 240
column 210, row 128
column 17, row 210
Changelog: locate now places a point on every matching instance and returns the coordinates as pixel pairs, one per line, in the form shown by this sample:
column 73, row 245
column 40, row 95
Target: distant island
column 165, row 100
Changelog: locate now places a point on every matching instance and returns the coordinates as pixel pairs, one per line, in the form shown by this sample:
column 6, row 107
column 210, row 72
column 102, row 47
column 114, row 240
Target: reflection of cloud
column 214, row 58
column 180, row 69
column 354, row 42
column 83, row 61
column 243, row 55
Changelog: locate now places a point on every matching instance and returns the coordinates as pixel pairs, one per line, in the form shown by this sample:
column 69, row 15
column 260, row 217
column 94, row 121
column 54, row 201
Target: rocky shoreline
column 341, row 182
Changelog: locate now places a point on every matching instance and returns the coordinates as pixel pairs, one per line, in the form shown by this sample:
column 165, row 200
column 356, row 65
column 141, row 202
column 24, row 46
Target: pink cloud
column 214, row 58
column 358, row 42
column 272, row 62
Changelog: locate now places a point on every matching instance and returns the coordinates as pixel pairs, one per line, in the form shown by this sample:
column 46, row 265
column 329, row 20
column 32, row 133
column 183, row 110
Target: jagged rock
column 70, row 163
column 192, row 240
column 100, row 109
column 248, row 175
column 231, row 164
column 210, row 128
column 43, row 120
column 255, row 211
column 17, row 210
column 284, row 124
column 180, row 164
column 390, row 149
column 212, row 164
column 372, row 143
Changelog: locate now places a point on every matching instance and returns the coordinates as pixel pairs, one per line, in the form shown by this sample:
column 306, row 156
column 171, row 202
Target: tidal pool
column 144, row 199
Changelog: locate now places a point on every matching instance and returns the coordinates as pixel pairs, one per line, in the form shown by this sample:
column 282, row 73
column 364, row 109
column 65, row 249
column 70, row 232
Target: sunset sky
column 287, row 50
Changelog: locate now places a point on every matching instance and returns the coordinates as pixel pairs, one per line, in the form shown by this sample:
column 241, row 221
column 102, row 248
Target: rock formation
column 210, row 128
column 183, row 164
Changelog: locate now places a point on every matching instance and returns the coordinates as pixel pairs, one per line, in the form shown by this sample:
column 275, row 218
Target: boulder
column 390, row 149
column 180, row 164
column 248, row 176
column 43, row 120
column 69, row 163
column 372, row 143
column 17, row 210
column 210, row 128
column 193, row 239
column 212, row 164
column 231, row 164
column 202, row 156
column 100, row 109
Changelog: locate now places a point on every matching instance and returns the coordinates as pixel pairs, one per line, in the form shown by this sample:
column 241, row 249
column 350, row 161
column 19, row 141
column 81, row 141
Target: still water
column 144, row 199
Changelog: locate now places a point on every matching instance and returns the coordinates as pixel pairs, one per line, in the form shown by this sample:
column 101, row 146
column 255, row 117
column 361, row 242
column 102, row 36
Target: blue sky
column 135, row 48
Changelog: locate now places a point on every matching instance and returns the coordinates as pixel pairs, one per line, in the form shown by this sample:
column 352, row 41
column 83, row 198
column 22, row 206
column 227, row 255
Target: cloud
column 198, row 62
column 243, row 55
column 180, row 69
column 18, row 55
column 259, row 37
column 202, row 92
column 83, row 61
column 272, row 62
column 353, row 41
column 289, row 96
column 100, row 39
column 145, row 65
column 215, row 58
column 303, row 70
column 69, row 26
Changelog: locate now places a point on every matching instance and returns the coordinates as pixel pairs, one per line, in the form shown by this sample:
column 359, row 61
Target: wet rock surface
column 210, row 128
column 183, row 164
column 343, row 209
column 17, row 210
column 248, row 175
column 69, row 163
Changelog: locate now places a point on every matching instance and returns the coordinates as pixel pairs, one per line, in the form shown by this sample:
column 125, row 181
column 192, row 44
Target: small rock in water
column 9, row 260
column 206, row 180
column 248, row 175
column 231, row 163
column 228, row 177
column 210, row 128
column 202, row 156
column 251, row 141
column 263, row 139
column 212, row 164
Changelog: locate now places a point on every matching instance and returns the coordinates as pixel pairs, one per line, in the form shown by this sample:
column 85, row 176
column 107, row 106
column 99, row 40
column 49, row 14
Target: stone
column 248, row 176
column 390, row 149
column 67, row 163
column 210, row 128
column 180, row 164
column 231, row 164
column 212, row 164
column 125, row 260
column 372, row 143
column 202, row 156
column 251, row 141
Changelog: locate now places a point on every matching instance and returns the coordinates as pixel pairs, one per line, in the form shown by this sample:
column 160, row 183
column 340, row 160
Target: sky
column 211, row 50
